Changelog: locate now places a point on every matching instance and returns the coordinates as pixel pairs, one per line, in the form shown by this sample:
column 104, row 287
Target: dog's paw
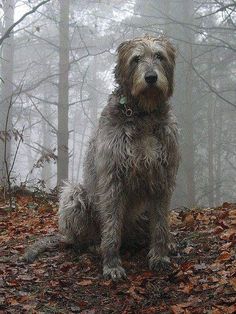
column 158, row 263
column 114, row 273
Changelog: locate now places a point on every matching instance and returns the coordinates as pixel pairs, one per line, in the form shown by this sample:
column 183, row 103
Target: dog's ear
column 168, row 45
column 123, row 46
column 170, row 48
column 122, row 50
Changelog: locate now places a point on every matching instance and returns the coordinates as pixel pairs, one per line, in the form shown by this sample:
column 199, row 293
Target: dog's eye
column 136, row 59
column 159, row 56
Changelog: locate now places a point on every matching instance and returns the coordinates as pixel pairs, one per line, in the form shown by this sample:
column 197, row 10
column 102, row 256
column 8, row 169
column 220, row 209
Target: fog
column 57, row 73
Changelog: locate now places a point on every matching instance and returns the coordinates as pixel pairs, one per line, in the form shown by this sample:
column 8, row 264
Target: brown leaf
column 12, row 301
column 186, row 266
column 226, row 246
column 226, row 205
column 186, row 287
column 218, row 230
column 216, row 311
column 224, row 256
column 86, row 282
column 177, row 309
column 175, row 219
column 188, row 249
column 232, row 217
column 203, row 217
column 231, row 309
column 229, row 234
column 223, row 224
column 233, row 283
column 105, row 283
column 66, row 266
column 133, row 293
column 150, row 310
column 189, row 219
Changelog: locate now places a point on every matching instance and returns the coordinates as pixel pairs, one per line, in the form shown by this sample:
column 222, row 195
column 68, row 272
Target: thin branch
column 81, row 97
column 5, row 144
column 221, row 9
column 8, row 31
column 16, row 152
column 211, row 88
column 44, row 118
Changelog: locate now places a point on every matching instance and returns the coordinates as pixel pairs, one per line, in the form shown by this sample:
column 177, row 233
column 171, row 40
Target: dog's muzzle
column 151, row 77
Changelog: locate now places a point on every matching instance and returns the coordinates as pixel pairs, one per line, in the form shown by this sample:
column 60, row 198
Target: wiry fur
column 131, row 163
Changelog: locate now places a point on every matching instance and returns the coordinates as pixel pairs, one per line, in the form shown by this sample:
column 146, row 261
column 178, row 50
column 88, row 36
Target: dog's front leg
column 160, row 234
column 111, row 213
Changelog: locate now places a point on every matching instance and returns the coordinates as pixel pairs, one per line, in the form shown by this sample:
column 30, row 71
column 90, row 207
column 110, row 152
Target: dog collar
column 123, row 101
column 126, row 110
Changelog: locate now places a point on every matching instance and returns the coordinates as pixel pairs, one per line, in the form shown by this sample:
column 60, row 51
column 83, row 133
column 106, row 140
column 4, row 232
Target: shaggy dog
column 131, row 163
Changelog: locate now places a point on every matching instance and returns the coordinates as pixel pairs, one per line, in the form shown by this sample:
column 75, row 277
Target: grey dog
column 131, row 163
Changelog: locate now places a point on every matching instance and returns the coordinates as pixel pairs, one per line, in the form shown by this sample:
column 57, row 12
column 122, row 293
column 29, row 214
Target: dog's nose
column 151, row 77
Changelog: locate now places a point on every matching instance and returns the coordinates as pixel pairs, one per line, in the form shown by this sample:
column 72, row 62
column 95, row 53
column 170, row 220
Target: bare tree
column 63, row 94
column 8, row 30
column 7, row 87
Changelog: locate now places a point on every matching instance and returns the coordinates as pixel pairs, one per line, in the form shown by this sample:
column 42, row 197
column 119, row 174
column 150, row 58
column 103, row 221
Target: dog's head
column 145, row 67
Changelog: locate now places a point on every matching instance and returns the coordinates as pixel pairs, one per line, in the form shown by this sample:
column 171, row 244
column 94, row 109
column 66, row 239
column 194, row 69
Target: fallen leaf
column 218, row 230
column 133, row 293
column 186, row 287
column 224, row 256
column 177, row 309
column 229, row 234
column 188, row 249
column 66, row 266
column 233, row 283
column 186, row 266
column 105, row 283
column 232, row 217
column 86, row 282
column 226, row 246
column 189, row 219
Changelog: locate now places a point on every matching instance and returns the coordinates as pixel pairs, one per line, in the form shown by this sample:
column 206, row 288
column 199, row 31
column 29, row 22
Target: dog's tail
column 40, row 246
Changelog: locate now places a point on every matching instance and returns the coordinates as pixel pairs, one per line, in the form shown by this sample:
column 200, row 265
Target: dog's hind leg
column 75, row 222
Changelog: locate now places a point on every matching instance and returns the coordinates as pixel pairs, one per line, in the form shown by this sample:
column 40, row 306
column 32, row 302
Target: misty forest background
column 57, row 72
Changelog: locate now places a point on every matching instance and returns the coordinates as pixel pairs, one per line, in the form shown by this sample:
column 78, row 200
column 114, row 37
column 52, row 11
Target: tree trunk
column 46, row 168
column 210, row 154
column 210, row 139
column 188, row 122
column 219, row 157
column 63, row 106
column 183, row 12
column 6, row 85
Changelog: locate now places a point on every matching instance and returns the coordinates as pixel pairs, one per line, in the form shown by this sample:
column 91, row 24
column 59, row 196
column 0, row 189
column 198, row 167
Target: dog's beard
column 151, row 97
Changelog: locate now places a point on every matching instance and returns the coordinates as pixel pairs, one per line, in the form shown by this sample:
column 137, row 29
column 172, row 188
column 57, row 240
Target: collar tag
column 123, row 100
column 126, row 110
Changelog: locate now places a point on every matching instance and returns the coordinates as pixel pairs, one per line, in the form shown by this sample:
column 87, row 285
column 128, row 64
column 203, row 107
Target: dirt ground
column 202, row 278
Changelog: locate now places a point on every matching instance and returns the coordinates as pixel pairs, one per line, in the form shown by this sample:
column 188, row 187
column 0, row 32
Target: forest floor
column 202, row 279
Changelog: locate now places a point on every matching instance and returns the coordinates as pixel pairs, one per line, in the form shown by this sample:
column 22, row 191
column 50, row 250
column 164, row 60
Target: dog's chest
column 146, row 152
column 149, row 159
column 146, row 149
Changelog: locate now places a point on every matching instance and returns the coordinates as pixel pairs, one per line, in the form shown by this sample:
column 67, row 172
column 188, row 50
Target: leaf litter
column 202, row 279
